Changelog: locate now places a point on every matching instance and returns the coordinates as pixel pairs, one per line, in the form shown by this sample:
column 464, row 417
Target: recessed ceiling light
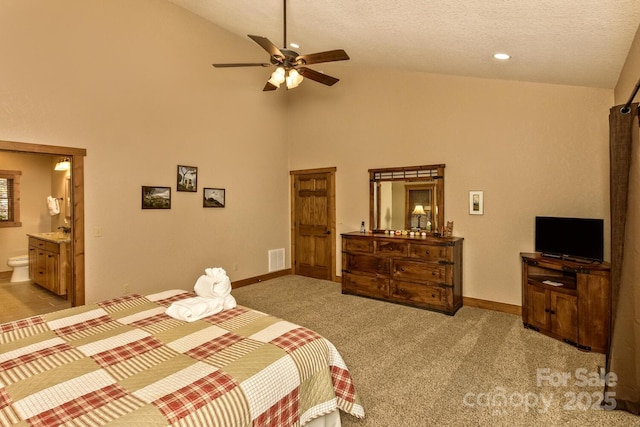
column 502, row 56
column 294, row 45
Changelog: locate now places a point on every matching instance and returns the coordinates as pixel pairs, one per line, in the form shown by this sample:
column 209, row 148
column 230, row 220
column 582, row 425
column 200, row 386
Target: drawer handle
column 427, row 252
column 433, row 295
column 433, row 273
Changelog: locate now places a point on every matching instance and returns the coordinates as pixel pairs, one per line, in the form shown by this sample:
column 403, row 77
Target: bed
column 125, row 362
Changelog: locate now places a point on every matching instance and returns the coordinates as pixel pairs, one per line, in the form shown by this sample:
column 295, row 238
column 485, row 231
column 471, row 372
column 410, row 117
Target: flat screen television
column 572, row 238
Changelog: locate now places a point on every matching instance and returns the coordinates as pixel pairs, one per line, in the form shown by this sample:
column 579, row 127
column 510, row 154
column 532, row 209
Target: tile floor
column 25, row 299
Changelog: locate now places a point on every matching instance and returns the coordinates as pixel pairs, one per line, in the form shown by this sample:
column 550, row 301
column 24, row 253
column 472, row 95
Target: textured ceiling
column 572, row 42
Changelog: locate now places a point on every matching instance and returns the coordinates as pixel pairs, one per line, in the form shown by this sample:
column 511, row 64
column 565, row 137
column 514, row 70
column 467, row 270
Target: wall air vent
column 276, row 259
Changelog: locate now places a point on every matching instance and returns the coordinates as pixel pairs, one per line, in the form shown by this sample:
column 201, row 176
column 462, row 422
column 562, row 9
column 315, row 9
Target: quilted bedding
column 125, row 362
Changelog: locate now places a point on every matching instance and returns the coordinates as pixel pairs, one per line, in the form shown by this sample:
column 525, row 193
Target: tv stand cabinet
column 567, row 300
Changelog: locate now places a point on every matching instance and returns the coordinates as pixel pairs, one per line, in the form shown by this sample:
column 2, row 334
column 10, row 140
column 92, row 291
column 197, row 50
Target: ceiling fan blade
column 267, row 45
column 319, row 77
column 241, row 64
column 328, row 56
column 269, row 86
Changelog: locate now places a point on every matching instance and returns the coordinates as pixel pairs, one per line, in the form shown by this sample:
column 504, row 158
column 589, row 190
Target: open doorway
column 76, row 292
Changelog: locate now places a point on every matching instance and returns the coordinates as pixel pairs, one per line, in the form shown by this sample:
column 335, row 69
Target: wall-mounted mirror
column 407, row 198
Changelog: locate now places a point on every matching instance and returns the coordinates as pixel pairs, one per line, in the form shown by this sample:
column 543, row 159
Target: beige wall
column 132, row 82
column 534, row 149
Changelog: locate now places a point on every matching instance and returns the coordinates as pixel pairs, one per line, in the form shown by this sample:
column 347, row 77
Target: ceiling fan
column 291, row 67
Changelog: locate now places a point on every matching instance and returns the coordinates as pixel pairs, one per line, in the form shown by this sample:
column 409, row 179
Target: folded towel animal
column 208, row 286
column 53, row 205
column 216, row 273
column 192, row 309
column 204, row 286
column 223, row 288
column 229, row 302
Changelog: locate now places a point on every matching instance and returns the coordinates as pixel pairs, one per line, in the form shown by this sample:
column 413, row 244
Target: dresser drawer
column 387, row 248
column 419, row 271
column 424, row 294
column 376, row 287
column 367, row 264
column 429, row 252
column 358, row 245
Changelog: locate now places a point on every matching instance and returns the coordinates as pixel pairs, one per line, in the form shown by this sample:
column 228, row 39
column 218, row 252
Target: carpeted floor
column 414, row 367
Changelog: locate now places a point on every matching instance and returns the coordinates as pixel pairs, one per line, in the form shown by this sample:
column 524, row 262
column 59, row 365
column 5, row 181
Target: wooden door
column 313, row 223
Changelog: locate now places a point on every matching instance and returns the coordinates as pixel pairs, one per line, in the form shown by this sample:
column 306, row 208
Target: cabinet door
column 537, row 312
column 564, row 315
column 52, row 272
column 40, row 270
column 33, row 260
column 594, row 307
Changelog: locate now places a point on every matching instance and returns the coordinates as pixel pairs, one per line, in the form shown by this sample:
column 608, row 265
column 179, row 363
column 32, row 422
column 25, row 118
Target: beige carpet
column 414, row 367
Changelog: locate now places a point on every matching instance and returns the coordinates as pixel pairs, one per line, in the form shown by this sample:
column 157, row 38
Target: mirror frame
column 411, row 174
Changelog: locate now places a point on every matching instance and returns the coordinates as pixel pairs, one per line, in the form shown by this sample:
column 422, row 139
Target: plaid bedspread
column 125, row 362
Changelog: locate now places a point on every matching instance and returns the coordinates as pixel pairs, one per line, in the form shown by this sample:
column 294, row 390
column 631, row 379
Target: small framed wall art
column 213, row 198
column 156, row 197
column 476, row 203
column 187, row 178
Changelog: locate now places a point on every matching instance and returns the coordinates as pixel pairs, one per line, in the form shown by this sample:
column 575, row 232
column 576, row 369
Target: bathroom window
column 10, row 198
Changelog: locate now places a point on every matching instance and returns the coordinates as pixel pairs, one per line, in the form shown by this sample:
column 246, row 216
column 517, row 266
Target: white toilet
column 20, row 266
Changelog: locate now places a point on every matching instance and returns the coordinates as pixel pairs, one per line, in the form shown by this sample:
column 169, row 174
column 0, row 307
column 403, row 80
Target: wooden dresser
column 424, row 272
column 567, row 300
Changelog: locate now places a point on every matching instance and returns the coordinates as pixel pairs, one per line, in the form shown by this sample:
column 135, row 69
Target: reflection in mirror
column 407, row 198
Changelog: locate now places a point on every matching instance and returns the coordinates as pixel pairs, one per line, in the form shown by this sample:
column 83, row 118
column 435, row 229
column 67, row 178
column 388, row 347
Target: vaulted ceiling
column 570, row 42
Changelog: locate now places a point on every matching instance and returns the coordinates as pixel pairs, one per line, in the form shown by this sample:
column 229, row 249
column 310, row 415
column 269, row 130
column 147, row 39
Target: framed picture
column 476, row 203
column 187, row 178
column 156, row 197
column 213, row 198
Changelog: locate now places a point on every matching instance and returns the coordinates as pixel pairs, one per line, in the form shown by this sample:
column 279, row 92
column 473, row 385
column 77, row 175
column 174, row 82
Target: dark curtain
column 623, row 358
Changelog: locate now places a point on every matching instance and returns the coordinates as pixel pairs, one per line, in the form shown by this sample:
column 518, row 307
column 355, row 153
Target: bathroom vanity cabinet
column 49, row 256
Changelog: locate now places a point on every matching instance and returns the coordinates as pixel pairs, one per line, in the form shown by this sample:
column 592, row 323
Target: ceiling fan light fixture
column 277, row 77
column 293, row 79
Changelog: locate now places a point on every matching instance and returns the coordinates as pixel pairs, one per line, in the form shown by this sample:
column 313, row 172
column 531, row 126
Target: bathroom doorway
column 76, row 293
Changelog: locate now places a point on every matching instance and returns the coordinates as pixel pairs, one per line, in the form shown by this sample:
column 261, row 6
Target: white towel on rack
column 53, row 205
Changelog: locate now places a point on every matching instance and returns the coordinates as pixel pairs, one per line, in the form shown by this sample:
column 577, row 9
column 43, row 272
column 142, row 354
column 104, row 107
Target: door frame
column 331, row 214
column 76, row 155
